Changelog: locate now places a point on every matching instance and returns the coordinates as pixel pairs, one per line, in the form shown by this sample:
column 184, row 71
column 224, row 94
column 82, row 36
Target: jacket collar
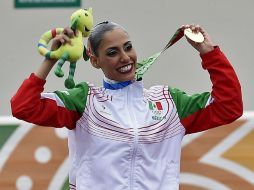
column 115, row 85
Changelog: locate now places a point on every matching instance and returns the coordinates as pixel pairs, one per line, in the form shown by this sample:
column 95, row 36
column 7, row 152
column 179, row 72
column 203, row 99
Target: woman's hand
column 63, row 38
column 46, row 66
column 203, row 47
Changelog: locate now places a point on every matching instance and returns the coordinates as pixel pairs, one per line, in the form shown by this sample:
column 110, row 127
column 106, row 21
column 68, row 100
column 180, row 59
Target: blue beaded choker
column 116, row 86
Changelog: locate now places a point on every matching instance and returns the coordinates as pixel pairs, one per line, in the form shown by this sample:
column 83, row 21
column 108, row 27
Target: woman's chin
column 126, row 76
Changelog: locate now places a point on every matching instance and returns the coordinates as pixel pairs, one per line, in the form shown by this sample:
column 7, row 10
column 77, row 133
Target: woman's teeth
column 125, row 69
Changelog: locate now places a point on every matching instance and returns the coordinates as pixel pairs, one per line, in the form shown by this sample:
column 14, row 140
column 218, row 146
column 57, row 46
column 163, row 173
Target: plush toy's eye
column 86, row 14
column 86, row 29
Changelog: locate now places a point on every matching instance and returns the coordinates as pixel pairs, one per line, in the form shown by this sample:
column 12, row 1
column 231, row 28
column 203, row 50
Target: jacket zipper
column 135, row 143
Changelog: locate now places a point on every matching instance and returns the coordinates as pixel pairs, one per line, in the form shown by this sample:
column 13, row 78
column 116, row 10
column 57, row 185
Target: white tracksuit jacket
column 130, row 138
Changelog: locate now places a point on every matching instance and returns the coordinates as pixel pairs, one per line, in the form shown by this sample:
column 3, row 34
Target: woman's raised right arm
column 44, row 69
column 31, row 105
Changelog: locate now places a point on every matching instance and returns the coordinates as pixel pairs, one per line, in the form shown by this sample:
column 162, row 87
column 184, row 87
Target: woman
column 123, row 136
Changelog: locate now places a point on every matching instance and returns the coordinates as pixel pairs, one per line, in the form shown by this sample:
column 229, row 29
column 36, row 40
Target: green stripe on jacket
column 186, row 104
column 75, row 99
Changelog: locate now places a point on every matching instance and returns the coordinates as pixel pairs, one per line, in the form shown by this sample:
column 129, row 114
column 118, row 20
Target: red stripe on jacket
column 28, row 105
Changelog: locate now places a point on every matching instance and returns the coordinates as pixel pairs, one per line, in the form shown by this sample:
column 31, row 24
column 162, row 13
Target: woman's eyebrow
column 127, row 43
column 115, row 47
column 111, row 48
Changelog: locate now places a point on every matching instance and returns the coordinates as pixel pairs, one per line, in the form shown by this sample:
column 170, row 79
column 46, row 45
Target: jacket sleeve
column 223, row 105
column 57, row 109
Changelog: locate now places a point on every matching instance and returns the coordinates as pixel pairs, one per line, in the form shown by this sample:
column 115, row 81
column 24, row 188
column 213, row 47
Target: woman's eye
column 111, row 53
column 128, row 47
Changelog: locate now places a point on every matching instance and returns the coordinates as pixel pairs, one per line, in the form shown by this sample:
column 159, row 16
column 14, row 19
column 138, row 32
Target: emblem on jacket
column 157, row 110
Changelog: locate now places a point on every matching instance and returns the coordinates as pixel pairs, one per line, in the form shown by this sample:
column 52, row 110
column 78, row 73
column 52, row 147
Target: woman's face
column 116, row 56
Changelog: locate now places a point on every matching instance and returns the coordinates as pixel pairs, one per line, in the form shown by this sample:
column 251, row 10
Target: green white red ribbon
column 145, row 64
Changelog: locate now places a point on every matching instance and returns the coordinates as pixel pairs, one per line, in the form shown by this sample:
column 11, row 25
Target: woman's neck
column 110, row 81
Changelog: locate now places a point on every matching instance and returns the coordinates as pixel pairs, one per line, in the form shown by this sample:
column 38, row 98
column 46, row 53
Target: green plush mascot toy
column 81, row 23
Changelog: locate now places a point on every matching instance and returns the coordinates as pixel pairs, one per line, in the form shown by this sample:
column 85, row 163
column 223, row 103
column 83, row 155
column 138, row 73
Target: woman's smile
column 126, row 69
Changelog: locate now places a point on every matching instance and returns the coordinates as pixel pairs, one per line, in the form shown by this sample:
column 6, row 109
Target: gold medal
column 196, row 37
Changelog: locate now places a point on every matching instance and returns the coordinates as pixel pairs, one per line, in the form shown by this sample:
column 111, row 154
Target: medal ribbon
column 145, row 64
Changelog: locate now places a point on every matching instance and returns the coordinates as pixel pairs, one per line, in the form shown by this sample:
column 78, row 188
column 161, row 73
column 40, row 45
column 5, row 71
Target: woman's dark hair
column 97, row 34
